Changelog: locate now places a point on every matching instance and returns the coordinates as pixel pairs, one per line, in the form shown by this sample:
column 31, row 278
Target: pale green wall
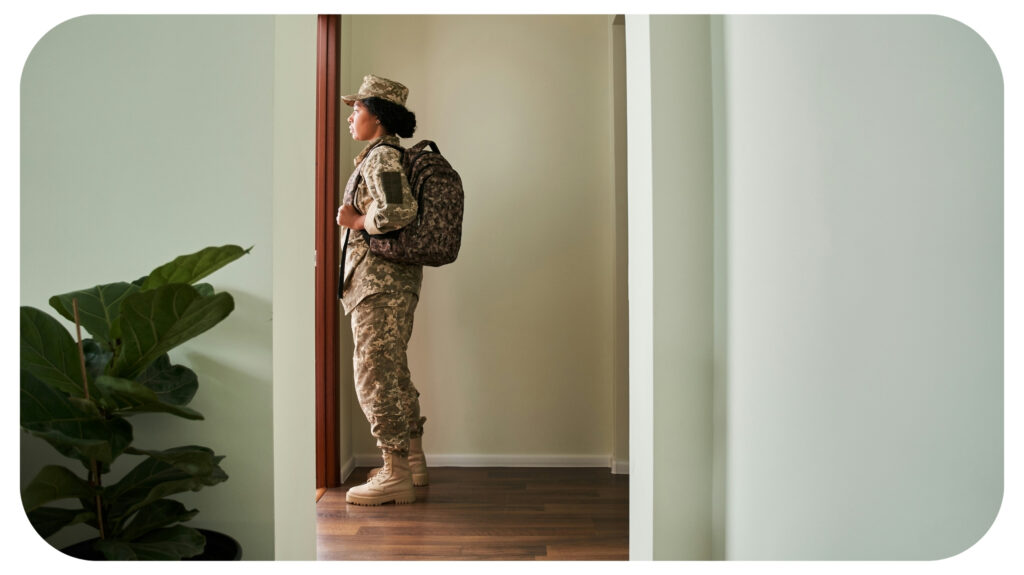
column 513, row 344
column 144, row 138
column 683, row 282
column 853, row 337
column 671, row 289
column 864, row 162
column 294, row 289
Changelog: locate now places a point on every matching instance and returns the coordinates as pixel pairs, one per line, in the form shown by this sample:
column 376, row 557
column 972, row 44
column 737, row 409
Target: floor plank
column 484, row 514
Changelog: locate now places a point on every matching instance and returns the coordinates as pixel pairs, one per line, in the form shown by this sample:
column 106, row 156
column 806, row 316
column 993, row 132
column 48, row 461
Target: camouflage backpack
column 435, row 236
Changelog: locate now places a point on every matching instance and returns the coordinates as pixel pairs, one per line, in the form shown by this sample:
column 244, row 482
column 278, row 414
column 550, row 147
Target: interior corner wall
column 864, row 164
column 620, row 397
column 348, row 407
column 720, row 401
column 513, row 345
column 137, row 147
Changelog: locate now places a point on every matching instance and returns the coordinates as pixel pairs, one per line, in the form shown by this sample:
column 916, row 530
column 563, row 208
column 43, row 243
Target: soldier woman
column 381, row 295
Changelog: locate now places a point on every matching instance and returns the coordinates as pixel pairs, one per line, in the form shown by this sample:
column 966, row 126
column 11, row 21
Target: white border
column 995, row 553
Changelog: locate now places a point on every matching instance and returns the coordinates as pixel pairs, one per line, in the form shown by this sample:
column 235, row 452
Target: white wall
column 144, row 138
column 513, row 346
column 639, row 127
column 865, row 300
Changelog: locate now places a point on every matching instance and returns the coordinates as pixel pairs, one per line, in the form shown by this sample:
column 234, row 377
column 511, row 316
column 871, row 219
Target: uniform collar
column 388, row 139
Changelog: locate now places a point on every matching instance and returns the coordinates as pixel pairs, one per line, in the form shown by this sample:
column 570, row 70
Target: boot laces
column 385, row 471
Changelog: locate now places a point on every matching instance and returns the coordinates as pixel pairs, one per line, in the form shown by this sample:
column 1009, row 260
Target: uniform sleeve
column 393, row 204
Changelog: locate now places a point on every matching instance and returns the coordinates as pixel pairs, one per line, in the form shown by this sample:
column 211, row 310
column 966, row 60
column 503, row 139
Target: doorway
column 521, row 346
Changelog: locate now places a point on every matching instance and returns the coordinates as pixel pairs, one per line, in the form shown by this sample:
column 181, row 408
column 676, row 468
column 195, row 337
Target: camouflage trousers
column 381, row 328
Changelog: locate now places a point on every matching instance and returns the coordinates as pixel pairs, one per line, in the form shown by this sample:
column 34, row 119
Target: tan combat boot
column 417, row 464
column 392, row 483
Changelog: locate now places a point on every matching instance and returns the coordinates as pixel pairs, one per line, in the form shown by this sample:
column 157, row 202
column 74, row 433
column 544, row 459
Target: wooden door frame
column 328, row 47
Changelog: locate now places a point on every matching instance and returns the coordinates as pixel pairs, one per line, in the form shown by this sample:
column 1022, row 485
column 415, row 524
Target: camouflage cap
column 375, row 86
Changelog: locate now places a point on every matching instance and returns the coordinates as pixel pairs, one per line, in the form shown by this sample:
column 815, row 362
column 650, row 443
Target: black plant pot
column 219, row 547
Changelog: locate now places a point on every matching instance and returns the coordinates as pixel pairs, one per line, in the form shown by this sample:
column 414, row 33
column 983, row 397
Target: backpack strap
column 359, row 168
column 355, row 184
column 341, row 268
column 424, row 144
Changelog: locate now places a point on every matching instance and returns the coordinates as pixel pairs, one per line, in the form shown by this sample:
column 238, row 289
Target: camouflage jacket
column 384, row 196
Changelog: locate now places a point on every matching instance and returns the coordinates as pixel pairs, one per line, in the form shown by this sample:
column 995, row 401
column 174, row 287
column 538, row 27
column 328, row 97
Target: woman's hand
column 348, row 217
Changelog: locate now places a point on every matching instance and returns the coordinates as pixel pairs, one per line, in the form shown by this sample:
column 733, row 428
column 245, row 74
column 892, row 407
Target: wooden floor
column 484, row 513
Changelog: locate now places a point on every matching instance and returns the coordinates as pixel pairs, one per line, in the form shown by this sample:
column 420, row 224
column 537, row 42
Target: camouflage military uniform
column 381, row 296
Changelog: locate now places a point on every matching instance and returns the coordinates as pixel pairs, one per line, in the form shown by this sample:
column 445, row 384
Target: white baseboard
column 347, row 468
column 619, row 466
column 479, row 460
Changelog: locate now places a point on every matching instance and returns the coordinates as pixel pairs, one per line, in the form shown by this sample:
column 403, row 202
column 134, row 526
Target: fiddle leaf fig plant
column 78, row 395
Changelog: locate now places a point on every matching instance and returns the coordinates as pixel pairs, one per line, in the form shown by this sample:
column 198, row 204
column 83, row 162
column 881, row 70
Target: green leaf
column 155, row 321
column 192, row 459
column 98, row 308
column 124, row 396
column 49, row 353
column 169, row 544
column 205, row 290
column 191, row 268
column 52, row 483
column 173, row 384
column 163, row 473
column 49, row 520
column 73, row 426
column 160, row 513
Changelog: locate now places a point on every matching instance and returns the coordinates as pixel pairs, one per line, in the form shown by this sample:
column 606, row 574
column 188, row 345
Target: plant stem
column 94, row 475
column 81, row 351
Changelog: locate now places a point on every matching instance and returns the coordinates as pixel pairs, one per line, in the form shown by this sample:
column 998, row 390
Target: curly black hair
column 395, row 118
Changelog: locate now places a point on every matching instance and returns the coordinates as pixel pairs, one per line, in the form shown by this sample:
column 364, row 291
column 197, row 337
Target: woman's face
column 362, row 124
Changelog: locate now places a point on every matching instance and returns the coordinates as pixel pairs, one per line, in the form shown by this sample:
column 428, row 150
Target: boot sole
column 381, row 499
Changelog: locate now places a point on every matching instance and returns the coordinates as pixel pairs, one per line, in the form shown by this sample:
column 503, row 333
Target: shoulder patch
column 392, row 184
